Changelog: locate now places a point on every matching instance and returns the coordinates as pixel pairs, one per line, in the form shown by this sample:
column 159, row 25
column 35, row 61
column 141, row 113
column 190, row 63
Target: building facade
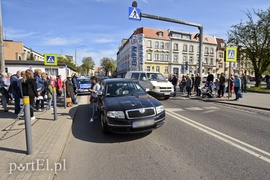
column 17, row 51
column 165, row 51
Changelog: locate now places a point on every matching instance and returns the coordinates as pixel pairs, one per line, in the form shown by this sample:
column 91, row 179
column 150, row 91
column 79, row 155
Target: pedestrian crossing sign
column 231, row 54
column 50, row 59
column 134, row 14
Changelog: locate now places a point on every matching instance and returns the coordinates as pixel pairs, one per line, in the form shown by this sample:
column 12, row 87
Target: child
column 216, row 89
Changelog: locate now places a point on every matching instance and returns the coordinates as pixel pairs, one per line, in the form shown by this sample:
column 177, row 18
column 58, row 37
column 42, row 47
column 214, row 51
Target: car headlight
column 155, row 87
column 159, row 109
column 116, row 114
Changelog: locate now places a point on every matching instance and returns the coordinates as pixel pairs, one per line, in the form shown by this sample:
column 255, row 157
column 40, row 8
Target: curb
column 243, row 105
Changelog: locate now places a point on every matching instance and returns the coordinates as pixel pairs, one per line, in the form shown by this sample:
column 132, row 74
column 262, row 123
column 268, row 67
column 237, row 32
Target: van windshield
column 155, row 77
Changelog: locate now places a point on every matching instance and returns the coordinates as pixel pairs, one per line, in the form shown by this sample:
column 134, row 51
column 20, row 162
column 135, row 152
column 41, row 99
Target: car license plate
column 139, row 124
column 167, row 93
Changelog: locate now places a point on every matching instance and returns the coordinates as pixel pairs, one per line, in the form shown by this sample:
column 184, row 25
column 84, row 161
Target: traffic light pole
column 1, row 41
column 199, row 26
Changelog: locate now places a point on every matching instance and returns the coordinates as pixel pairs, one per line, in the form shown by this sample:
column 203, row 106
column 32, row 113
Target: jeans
column 93, row 106
column 174, row 88
column 4, row 100
column 184, row 89
column 188, row 90
column 50, row 103
column 221, row 90
column 197, row 90
column 236, row 90
column 17, row 101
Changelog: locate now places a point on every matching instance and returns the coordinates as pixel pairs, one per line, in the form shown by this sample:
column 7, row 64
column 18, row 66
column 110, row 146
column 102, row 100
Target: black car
column 125, row 107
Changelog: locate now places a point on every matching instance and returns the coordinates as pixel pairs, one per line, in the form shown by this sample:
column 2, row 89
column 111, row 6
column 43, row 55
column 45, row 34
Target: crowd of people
column 38, row 86
column 216, row 87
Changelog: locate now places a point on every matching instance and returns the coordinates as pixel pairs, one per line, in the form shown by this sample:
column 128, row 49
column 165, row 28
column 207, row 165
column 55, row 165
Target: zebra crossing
column 206, row 109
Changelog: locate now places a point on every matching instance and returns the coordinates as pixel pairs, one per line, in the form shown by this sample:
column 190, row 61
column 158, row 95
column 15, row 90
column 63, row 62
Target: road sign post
column 134, row 11
column 54, row 104
column 231, row 56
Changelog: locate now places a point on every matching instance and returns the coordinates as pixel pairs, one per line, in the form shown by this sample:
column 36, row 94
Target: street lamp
column 76, row 53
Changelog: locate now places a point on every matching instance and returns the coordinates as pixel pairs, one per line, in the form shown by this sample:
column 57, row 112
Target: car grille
column 145, row 112
column 165, row 88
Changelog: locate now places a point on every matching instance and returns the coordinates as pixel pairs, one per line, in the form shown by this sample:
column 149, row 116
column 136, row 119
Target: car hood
column 130, row 102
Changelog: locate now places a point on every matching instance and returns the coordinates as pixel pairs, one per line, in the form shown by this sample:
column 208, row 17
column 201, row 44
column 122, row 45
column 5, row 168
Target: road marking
column 194, row 109
column 223, row 137
column 210, row 111
column 174, row 109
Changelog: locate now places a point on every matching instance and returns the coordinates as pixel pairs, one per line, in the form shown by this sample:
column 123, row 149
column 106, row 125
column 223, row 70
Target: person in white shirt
column 94, row 97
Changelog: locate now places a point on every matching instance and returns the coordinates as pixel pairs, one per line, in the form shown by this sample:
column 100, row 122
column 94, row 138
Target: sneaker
column 91, row 120
column 33, row 118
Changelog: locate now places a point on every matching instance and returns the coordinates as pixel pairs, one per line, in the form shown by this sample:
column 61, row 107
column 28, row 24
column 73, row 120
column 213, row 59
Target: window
column 206, row 60
column 156, row 57
column 185, row 48
column 175, row 47
column 184, row 59
column 191, row 60
column 162, row 45
column 142, row 77
column 149, row 43
column 206, row 50
column 148, row 68
column 212, row 61
column 198, row 49
column 166, row 46
column 167, row 58
column 212, row 51
column 220, row 55
column 156, row 44
column 191, row 48
column 149, row 56
column 166, row 69
column 175, row 58
column 135, row 76
column 157, row 69
column 162, row 57
column 160, row 33
column 198, row 60
column 51, row 71
column 220, row 65
column 188, row 37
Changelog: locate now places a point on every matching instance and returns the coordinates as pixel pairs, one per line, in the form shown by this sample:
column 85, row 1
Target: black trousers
column 32, row 105
column 221, row 90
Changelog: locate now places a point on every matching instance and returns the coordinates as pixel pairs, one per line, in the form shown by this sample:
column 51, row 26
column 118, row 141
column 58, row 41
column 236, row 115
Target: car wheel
column 104, row 126
column 166, row 98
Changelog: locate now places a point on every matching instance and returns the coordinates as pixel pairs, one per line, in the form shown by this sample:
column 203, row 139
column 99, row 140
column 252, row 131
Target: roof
column 219, row 44
column 152, row 33
column 16, row 62
column 114, row 80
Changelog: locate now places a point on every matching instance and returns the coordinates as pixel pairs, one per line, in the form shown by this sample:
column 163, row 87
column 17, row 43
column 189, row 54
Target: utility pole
column 1, row 41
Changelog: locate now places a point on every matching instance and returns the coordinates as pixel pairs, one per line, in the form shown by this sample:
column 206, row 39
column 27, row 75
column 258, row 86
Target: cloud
column 17, row 34
column 145, row 1
column 61, row 41
column 104, row 40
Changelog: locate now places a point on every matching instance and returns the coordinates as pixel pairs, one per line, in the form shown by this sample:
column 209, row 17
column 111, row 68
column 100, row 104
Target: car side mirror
column 99, row 93
column 147, row 89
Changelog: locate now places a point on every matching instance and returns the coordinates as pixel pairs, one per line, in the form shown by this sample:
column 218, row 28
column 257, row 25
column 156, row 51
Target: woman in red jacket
column 59, row 85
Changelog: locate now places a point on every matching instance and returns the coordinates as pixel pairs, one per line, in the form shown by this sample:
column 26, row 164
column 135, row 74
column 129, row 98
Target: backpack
column 15, row 88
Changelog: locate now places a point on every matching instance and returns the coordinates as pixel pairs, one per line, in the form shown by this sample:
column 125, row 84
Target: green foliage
column 31, row 57
column 87, row 64
column 109, row 65
column 66, row 61
column 253, row 40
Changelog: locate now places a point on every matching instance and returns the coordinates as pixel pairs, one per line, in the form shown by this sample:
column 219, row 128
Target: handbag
column 68, row 100
column 93, row 99
column 240, row 94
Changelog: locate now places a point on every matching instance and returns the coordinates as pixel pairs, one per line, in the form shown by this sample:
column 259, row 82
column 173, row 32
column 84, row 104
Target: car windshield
column 124, row 89
column 155, row 77
column 84, row 81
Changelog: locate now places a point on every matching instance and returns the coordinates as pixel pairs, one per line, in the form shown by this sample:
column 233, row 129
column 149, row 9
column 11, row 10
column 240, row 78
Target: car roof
column 115, row 80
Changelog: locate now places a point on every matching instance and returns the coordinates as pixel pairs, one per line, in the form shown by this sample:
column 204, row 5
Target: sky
column 96, row 27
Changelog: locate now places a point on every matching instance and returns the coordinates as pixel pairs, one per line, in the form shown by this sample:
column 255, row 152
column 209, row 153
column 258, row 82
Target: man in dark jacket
column 197, row 83
column 17, row 95
column 222, row 82
column 244, row 83
column 174, row 81
column 210, row 77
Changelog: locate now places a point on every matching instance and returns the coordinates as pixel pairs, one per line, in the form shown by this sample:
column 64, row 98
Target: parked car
column 158, row 86
column 125, row 107
column 84, row 84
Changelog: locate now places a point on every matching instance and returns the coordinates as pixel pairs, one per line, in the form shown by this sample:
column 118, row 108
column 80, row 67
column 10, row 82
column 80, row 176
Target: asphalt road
column 199, row 140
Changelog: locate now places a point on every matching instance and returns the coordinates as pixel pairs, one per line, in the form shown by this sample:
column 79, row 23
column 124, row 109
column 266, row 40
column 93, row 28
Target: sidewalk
column 49, row 139
column 251, row 100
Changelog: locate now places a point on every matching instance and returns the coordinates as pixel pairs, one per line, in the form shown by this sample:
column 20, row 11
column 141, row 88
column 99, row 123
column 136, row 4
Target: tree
column 88, row 64
column 31, row 57
column 253, row 38
column 109, row 65
column 66, row 61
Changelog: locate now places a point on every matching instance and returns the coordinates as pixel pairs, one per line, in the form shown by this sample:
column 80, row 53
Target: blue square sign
column 134, row 14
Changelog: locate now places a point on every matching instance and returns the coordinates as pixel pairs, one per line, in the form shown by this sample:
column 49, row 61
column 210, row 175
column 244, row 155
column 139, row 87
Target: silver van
column 154, row 82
